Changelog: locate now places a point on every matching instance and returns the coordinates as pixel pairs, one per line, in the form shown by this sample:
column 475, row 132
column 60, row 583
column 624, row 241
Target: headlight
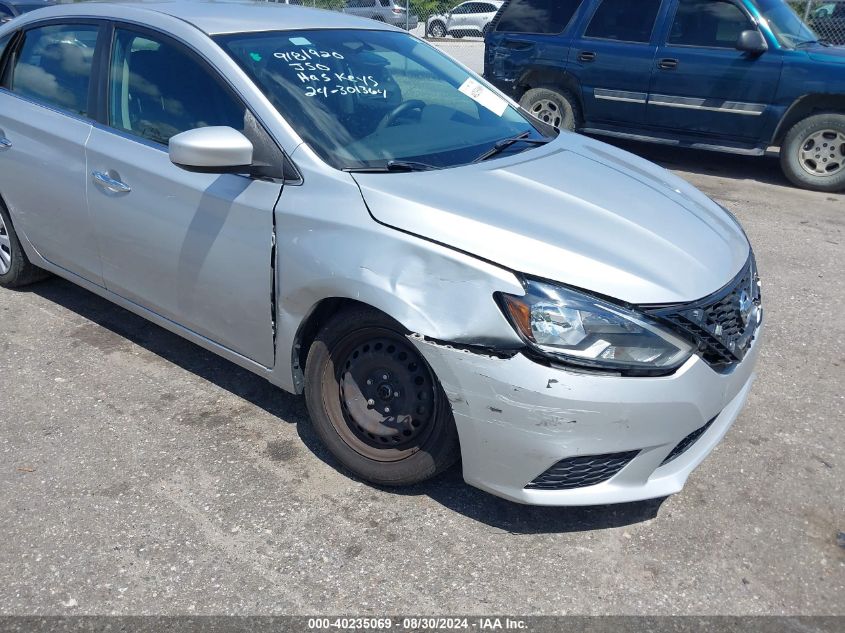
column 583, row 330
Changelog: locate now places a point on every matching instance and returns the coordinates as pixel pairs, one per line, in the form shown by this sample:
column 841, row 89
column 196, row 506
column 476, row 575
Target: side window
column 624, row 20
column 53, row 65
column 157, row 90
column 4, row 42
column 487, row 8
column 461, row 9
column 537, row 16
column 710, row 23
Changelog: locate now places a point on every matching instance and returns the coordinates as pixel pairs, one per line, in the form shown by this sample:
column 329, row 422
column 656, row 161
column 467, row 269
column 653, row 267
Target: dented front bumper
column 517, row 418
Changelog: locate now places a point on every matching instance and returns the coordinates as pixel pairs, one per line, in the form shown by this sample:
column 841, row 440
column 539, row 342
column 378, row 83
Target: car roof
column 218, row 17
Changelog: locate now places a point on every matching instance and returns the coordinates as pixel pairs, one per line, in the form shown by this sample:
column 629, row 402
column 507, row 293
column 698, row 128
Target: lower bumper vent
column 582, row 471
column 687, row 442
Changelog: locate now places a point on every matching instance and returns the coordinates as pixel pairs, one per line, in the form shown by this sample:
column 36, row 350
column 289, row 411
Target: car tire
column 555, row 106
column 437, row 30
column 812, row 154
column 360, row 365
column 15, row 268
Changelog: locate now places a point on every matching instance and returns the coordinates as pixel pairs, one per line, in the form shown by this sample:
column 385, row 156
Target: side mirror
column 752, row 41
column 212, row 150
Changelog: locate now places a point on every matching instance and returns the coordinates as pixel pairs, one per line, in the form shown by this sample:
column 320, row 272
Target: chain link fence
column 455, row 26
column 826, row 17
column 450, row 20
column 459, row 26
column 453, row 22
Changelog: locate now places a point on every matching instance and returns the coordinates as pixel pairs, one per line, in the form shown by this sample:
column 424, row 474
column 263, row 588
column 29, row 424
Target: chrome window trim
column 696, row 103
column 626, row 96
column 48, row 106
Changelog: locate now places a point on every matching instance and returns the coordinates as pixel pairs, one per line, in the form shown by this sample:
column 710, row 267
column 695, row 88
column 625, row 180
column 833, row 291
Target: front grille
column 585, row 470
column 724, row 323
column 687, row 442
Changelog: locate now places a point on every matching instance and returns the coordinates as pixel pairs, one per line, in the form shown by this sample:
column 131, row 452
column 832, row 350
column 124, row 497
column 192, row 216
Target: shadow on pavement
column 172, row 348
column 449, row 489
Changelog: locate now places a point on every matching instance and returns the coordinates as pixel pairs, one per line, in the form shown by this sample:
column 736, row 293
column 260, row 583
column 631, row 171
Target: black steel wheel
column 376, row 403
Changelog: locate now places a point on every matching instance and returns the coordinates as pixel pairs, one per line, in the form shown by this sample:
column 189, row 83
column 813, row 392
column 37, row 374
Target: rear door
column 528, row 35
column 613, row 59
column 45, row 108
column 702, row 84
column 459, row 18
column 487, row 11
column 194, row 248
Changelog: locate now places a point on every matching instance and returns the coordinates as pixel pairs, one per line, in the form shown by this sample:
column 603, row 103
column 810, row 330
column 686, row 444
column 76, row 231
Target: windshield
column 370, row 99
column 790, row 29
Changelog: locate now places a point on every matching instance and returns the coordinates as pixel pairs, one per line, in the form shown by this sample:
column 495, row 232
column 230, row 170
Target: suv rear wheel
column 555, row 106
column 813, row 153
column 375, row 403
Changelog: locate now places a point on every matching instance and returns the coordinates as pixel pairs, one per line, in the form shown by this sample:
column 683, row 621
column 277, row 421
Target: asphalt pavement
column 142, row 475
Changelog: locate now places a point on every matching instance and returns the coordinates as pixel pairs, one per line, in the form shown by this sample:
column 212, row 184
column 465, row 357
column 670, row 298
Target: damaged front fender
column 328, row 246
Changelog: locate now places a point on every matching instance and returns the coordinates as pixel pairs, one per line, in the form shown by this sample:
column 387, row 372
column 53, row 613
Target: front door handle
column 109, row 183
column 5, row 143
column 667, row 64
column 587, row 56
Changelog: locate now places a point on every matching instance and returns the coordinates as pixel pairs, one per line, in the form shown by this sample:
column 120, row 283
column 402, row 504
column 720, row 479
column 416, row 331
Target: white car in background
column 467, row 18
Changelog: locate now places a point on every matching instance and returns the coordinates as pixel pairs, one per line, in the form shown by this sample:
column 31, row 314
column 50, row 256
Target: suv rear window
column 537, row 16
column 624, row 20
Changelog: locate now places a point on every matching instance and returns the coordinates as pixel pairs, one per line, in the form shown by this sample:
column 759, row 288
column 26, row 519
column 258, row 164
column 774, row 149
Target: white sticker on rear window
column 484, row 96
column 299, row 41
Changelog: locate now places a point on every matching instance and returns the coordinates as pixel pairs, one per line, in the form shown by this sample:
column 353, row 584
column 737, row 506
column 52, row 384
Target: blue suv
column 726, row 75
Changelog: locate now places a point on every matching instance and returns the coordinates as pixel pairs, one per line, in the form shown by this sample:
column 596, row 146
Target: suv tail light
column 398, row 11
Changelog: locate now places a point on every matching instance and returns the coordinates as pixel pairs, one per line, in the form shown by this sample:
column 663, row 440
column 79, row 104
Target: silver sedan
column 344, row 210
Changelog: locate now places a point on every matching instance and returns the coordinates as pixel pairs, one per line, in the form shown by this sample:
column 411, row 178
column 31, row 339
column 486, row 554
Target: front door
column 702, row 84
column 459, row 18
column 612, row 61
column 193, row 248
column 44, row 108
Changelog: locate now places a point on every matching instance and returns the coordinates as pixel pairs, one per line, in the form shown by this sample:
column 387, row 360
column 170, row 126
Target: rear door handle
column 517, row 44
column 667, row 64
column 110, row 184
column 587, row 56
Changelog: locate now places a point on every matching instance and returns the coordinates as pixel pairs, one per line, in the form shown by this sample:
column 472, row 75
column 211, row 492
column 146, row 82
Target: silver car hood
column 575, row 211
